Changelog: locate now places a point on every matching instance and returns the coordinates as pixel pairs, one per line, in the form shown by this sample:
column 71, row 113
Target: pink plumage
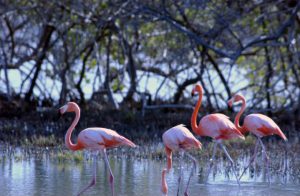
column 179, row 137
column 258, row 124
column 218, row 126
column 262, row 125
column 95, row 139
column 98, row 138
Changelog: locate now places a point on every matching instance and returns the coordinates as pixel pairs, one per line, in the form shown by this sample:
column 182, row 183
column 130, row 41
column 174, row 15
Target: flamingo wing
column 218, row 126
column 180, row 137
column 261, row 125
column 95, row 137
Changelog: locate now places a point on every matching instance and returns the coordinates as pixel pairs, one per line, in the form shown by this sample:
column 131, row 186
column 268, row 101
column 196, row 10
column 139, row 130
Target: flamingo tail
column 128, row 142
column 281, row 134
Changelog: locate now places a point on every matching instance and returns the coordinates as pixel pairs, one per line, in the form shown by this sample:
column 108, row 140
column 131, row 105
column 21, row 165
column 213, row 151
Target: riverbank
column 41, row 127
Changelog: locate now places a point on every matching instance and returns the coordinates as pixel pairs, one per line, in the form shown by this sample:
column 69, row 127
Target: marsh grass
column 39, row 137
column 284, row 165
column 64, row 156
column 40, row 141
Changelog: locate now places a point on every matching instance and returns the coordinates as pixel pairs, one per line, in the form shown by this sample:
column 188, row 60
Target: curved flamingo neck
column 239, row 114
column 194, row 125
column 68, row 141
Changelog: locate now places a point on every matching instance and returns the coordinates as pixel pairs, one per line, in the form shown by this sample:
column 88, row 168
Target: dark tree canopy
column 118, row 51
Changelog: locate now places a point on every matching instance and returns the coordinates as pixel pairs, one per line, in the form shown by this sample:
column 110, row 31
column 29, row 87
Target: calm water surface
column 44, row 176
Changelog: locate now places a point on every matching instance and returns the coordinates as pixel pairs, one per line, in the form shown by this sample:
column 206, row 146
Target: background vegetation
column 135, row 54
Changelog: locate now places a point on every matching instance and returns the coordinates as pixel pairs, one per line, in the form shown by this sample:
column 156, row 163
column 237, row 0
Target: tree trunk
column 223, row 80
column 6, row 74
column 216, row 66
column 64, row 90
column 107, row 78
column 203, row 83
column 78, row 85
column 269, row 74
column 182, row 86
column 44, row 45
column 131, row 69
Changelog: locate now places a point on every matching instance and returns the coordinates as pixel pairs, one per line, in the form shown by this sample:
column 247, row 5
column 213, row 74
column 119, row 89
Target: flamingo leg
column 180, row 170
column 267, row 159
column 285, row 163
column 232, row 163
column 191, row 174
column 111, row 176
column 93, row 181
column 211, row 161
column 253, row 157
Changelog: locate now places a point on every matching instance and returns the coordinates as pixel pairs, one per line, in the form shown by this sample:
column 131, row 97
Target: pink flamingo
column 95, row 139
column 217, row 126
column 178, row 138
column 259, row 125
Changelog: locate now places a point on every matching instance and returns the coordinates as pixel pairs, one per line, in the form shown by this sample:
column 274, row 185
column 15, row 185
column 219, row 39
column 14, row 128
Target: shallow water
column 44, row 176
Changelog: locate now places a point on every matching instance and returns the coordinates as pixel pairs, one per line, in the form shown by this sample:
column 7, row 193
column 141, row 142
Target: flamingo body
column 219, row 127
column 261, row 125
column 257, row 124
column 96, row 138
column 179, row 137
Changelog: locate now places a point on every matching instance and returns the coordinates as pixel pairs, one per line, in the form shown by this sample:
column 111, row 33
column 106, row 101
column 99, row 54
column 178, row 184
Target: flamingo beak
column 230, row 103
column 58, row 115
column 61, row 111
column 193, row 92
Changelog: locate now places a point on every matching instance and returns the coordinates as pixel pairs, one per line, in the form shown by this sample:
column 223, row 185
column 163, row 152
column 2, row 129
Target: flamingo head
column 69, row 107
column 197, row 89
column 237, row 97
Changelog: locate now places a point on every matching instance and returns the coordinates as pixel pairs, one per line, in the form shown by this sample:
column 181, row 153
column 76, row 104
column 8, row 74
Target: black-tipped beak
column 230, row 103
column 58, row 115
column 192, row 93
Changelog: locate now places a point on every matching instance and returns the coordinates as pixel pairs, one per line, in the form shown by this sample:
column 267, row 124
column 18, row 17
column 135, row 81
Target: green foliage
column 92, row 63
column 241, row 60
column 103, row 5
column 162, row 38
column 87, row 80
